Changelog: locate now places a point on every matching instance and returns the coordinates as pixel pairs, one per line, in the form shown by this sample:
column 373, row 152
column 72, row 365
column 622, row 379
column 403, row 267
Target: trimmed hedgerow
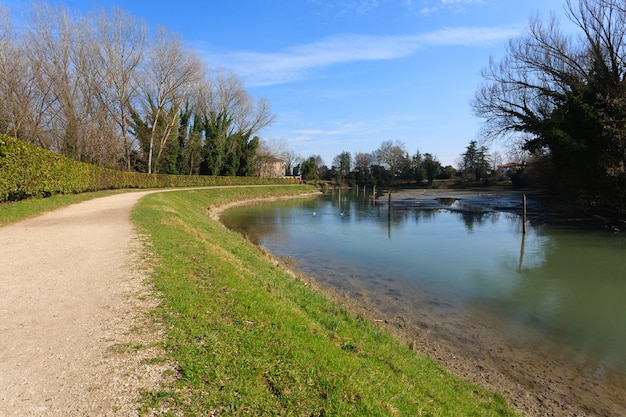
column 29, row 171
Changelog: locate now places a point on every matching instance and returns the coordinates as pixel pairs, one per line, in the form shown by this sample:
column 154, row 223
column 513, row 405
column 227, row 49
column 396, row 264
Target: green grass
column 249, row 339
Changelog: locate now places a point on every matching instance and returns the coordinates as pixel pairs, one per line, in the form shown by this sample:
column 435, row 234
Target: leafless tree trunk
column 171, row 73
column 6, row 87
column 51, row 43
column 73, row 84
column 391, row 155
column 224, row 94
column 24, row 98
column 118, row 47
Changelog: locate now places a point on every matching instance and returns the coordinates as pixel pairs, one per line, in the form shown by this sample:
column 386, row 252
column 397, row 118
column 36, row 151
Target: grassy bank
column 249, row 339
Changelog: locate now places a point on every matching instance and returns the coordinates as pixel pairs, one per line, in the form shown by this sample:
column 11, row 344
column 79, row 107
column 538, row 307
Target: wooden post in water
column 389, row 206
column 521, row 253
column 524, row 214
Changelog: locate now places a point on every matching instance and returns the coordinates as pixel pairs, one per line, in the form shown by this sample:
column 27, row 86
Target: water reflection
column 571, row 292
column 557, row 288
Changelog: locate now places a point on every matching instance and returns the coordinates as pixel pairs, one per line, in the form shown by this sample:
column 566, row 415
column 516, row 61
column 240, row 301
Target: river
column 540, row 316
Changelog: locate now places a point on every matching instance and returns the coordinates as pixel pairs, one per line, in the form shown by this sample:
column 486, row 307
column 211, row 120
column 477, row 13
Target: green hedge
column 29, row 171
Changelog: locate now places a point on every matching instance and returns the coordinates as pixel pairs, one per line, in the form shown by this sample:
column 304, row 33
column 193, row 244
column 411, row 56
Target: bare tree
column 565, row 95
column 99, row 142
column 225, row 96
column 273, row 147
column 362, row 161
column 230, row 119
column 77, row 84
column 118, row 47
column 291, row 160
column 51, row 44
column 59, row 53
column 392, row 155
column 24, row 96
column 6, row 111
column 169, row 78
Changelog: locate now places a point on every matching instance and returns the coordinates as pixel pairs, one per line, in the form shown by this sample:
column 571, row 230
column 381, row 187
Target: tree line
column 103, row 89
column 557, row 98
column 391, row 164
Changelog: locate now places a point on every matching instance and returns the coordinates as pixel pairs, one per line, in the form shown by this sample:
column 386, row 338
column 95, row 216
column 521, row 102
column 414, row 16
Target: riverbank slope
column 249, row 338
column 242, row 336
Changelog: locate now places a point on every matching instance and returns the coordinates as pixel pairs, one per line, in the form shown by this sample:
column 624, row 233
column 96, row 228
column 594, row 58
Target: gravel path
column 75, row 339
column 74, row 334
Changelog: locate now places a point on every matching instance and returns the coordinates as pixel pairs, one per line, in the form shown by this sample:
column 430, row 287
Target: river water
column 546, row 307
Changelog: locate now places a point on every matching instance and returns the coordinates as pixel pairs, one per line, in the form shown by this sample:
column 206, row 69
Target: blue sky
column 346, row 75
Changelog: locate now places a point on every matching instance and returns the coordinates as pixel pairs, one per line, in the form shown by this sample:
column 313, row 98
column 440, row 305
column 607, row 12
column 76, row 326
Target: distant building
column 508, row 169
column 271, row 168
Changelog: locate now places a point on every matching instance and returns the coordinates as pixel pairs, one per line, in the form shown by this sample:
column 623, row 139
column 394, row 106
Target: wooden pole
column 389, row 205
column 524, row 214
column 521, row 253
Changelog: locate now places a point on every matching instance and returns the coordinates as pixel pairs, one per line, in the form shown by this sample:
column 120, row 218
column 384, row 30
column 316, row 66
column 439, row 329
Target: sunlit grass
column 249, row 339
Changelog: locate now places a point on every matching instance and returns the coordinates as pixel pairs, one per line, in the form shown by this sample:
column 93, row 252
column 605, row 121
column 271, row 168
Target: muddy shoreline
column 536, row 382
column 541, row 208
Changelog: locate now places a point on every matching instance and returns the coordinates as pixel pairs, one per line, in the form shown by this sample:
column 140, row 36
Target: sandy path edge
column 74, row 336
column 75, row 339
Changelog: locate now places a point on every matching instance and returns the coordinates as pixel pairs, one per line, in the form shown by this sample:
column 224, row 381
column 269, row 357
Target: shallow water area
column 453, row 272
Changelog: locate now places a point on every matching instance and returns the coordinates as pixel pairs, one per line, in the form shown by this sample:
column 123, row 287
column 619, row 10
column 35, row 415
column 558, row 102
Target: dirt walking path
column 73, row 336
column 75, row 339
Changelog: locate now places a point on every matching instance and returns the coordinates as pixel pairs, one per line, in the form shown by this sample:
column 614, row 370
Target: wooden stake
column 524, row 214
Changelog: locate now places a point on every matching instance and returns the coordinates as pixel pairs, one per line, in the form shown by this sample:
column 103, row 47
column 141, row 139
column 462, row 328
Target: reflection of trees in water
column 557, row 283
column 400, row 216
column 425, row 215
column 567, row 290
column 477, row 219
column 555, row 291
column 259, row 222
column 472, row 219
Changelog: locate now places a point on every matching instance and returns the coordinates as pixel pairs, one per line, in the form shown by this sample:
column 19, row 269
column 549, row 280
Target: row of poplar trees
column 103, row 89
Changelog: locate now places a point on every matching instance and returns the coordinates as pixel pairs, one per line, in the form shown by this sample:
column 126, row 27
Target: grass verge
column 249, row 339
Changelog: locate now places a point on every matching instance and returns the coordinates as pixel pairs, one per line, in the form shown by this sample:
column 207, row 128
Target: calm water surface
column 556, row 288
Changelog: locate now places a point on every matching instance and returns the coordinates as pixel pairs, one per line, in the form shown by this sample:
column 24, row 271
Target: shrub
column 29, row 171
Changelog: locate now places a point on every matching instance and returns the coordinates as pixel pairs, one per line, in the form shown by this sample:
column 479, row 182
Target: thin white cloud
column 301, row 61
column 313, row 132
column 425, row 7
column 343, row 129
column 341, row 8
column 336, row 129
column 454, row 6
